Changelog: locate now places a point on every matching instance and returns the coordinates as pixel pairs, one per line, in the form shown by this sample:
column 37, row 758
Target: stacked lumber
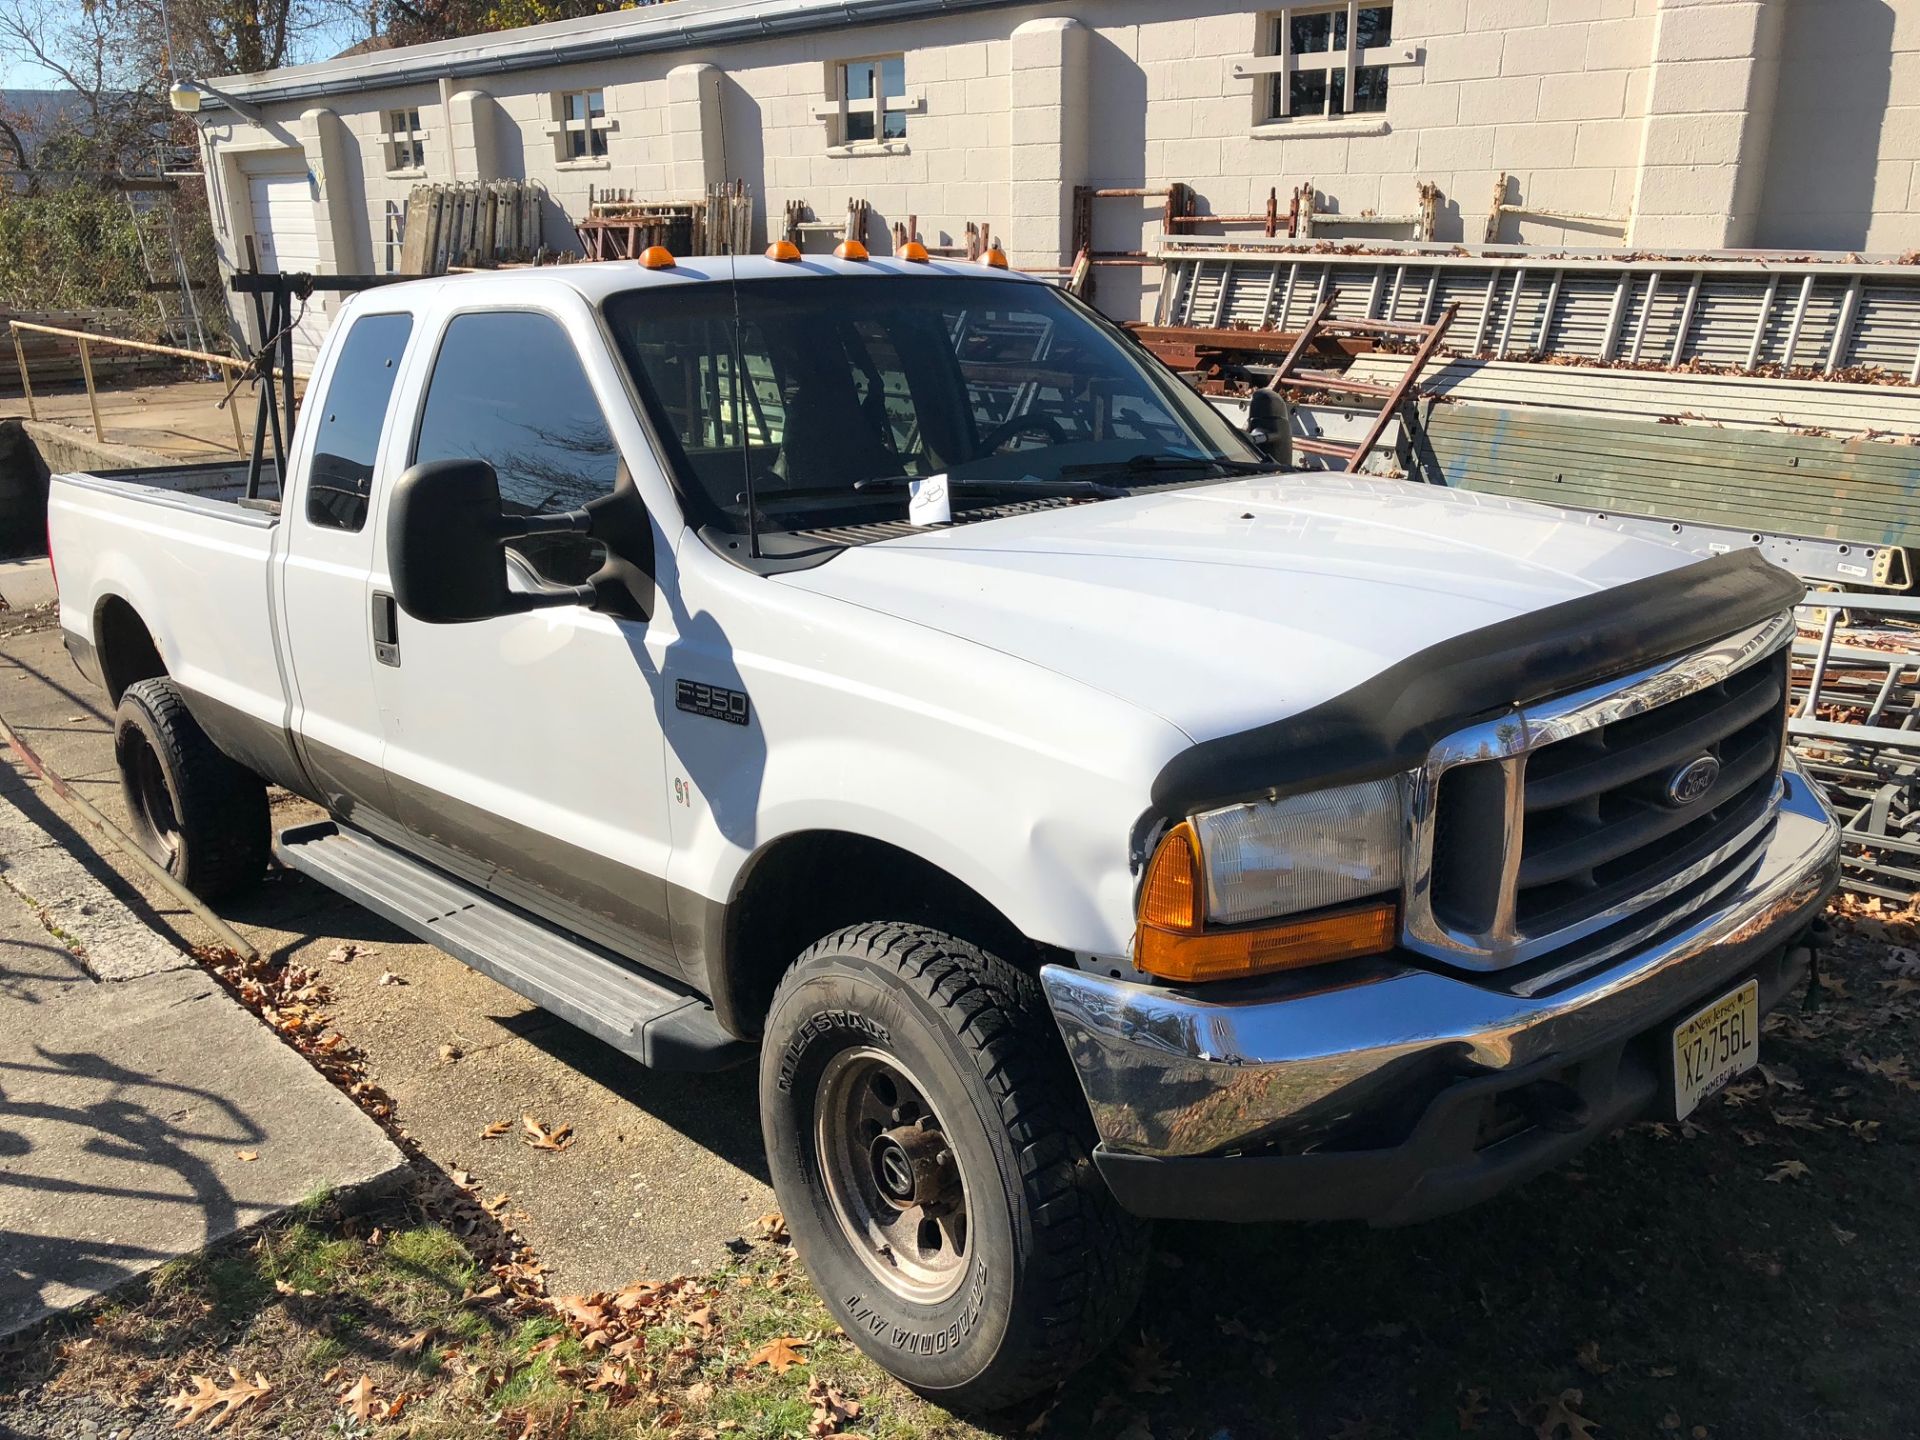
column 486, row 222
column 55, row 359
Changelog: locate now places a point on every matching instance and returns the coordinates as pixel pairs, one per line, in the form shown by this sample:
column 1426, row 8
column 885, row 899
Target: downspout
column 446, row 127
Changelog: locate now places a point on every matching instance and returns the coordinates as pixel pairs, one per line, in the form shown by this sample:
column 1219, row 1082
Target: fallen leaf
column 1789, row 1170
column 831, row 1408
column 358, row 1398
column 545, row 1139
column 343, row 954
column 496, row 1130
column 249, row 1156
column 415, row 1342
column 229, row 1400
column 450, row 1053
column 387, row 977
column 1845, row 1237
column 772, row 1227
column 391, row 1410
column 1589, row 1357
column 1560, row 1418
column 782, row 1353
column 1149, row 1368
column 699, row 1393
column 1471, row 1410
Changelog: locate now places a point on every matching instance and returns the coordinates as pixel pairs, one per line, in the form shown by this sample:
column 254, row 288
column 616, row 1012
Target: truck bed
column 213, row 485
column 179, row 551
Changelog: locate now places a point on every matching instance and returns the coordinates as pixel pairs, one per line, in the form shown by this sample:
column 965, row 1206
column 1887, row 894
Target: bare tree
column 110, row 112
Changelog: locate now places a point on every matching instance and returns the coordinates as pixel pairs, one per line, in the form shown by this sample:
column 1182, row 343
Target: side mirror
column 1270, row 425
column 446, row 551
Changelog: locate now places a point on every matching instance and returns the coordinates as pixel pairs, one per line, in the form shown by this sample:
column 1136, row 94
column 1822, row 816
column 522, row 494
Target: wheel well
column 124, row 647
column 810, row 884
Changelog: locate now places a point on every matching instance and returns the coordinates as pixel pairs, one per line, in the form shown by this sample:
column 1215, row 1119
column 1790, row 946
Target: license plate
column 1713, row 1045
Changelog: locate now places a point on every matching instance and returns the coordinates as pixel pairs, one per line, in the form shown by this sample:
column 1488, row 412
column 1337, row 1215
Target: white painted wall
column 1710, row 122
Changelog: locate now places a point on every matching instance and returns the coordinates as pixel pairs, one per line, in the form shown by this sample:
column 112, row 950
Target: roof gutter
column 721, row 31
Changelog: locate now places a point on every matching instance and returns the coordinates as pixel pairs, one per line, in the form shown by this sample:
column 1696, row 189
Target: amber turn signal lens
column 996, row 257
column 1262, row 949
column 913, row 250
column 849, row 250
column 784, row 250
column 1170, row 898
column 657, row 257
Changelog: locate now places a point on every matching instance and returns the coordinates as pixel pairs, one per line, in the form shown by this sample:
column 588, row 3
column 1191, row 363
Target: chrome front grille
column 1577, row 826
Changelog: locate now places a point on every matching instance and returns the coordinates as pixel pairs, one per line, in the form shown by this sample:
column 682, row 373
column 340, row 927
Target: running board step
column 661, row 1027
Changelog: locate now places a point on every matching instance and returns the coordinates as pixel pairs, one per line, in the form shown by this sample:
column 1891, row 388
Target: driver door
column 525, row 752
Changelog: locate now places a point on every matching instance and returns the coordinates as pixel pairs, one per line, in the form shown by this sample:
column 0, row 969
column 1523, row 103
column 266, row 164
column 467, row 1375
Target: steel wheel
column 895, row 1185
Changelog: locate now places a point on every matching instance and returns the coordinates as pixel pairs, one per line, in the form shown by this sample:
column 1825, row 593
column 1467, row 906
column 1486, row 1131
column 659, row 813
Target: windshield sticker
column 929, row 502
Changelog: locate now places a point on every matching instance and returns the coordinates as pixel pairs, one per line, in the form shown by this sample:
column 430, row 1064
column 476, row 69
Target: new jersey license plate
column 1713, row 1045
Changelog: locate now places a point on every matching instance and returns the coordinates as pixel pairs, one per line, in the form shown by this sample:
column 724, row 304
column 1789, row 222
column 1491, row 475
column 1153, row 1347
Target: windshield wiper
column 1143, row 463
column 1041, row 489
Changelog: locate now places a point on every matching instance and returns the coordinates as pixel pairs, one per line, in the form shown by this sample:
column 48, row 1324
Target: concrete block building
column 1641, row 124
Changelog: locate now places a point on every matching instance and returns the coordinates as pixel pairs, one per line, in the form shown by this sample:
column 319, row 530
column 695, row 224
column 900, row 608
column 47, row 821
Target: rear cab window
column 353, row 414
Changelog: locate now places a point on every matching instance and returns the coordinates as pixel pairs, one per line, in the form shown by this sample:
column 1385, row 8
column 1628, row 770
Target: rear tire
column 931, row 1151
column 193, row 809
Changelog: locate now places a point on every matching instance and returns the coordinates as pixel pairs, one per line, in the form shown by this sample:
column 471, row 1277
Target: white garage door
column 287, row 239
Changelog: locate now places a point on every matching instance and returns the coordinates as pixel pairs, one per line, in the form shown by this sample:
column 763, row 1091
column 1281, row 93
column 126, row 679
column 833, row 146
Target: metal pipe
column 124, row 843
column 93, row 395
column 87, row 336
column 20, row 359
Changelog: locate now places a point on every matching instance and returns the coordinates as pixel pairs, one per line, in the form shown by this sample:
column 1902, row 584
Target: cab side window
column 508, row 388
column 352, row 414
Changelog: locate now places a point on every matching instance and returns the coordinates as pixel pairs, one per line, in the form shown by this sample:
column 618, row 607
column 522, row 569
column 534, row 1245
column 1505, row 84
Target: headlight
column 1302, row 853
column 1273, row 885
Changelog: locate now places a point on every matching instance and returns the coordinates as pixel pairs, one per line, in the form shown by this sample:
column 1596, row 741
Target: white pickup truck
column 1137, row 831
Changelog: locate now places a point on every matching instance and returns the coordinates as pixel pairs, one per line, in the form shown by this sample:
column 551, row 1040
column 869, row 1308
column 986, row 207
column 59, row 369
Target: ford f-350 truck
column 884, row 667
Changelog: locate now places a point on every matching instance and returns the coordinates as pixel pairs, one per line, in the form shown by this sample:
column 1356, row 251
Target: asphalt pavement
column 661, row 1169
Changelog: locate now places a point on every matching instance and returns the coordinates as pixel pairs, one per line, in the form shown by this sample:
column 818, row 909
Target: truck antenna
column 740, row 380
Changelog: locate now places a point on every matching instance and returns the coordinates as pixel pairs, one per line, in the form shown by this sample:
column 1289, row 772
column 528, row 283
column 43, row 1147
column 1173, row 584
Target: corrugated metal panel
column 1857, row 490
column 1748, row 402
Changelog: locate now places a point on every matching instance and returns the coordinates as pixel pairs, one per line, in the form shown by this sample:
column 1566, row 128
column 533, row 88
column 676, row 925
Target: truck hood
column 1232, row 605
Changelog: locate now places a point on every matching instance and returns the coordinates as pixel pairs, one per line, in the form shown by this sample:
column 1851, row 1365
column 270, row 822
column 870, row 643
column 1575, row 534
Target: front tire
column 930, row 1148
column 193, row 809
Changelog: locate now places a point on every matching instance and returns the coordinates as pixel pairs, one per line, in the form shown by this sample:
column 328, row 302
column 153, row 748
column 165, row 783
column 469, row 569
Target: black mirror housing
column 444, row 543
column 1270, row 425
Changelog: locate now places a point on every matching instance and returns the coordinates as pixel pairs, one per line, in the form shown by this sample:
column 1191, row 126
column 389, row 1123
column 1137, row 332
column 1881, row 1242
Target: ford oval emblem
column 1692, row 780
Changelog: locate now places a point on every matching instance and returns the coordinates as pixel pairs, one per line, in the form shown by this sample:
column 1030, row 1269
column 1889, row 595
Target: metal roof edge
column 626, row 32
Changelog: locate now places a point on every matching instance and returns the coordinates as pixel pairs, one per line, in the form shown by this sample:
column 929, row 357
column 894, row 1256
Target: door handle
column 386, row 629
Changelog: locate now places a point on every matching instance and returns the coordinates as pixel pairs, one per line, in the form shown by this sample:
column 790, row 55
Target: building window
column 396, row 233
column 581, row 130
column 406, row 142
column 1329, row 60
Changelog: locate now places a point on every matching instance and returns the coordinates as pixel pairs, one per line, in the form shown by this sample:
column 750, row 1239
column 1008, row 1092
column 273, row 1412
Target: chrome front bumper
column 1283, row 1062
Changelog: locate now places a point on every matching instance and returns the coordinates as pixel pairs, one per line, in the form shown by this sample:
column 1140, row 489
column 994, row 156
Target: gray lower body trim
column 621, row 909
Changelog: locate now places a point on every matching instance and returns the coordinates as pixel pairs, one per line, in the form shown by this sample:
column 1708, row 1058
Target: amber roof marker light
column 916, row 252
column 849, row 250
column 785, row 251
column 657, row 257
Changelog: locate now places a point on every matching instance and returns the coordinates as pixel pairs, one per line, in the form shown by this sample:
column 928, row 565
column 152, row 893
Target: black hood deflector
column 1389, row 723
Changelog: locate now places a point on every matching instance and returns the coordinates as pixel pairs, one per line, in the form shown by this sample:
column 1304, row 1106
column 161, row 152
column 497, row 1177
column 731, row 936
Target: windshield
column 836, row 394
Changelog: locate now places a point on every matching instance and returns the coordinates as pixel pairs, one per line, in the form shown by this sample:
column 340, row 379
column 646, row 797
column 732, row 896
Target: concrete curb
column 146, row 1114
